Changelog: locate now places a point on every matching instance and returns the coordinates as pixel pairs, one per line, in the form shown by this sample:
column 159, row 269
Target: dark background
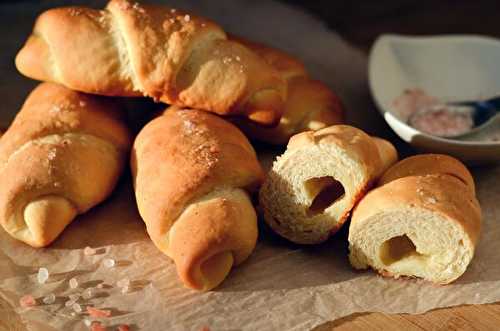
column 361, row 22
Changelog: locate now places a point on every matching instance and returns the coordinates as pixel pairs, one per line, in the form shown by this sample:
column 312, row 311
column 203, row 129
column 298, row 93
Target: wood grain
column 483, row 317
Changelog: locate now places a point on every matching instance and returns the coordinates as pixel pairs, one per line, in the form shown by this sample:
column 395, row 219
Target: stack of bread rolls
column 194, row 172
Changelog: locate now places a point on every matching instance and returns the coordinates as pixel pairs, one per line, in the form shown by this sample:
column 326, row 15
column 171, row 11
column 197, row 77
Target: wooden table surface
column 360, row 22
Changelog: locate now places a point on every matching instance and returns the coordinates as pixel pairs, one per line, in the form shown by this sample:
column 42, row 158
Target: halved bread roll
column 313, row 186
column 423, row 221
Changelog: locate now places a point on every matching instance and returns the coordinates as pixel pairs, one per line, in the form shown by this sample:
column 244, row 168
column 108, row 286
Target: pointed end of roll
column 46, row 218
column 209, row 273
column 33, row 60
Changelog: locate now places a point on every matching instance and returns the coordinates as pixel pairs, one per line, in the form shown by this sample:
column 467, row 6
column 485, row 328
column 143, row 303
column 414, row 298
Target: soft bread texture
column 131, row 49
column 310, row 104
column 62, row 155
column 313, row 186
column 193, row 173
column 422, row 221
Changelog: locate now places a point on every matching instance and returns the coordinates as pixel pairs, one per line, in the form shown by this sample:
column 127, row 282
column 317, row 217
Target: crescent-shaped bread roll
column 422, row 221
column 313, row 186
column 310, row 104
column 132, row 49
column 62, row 155
column 193, row 173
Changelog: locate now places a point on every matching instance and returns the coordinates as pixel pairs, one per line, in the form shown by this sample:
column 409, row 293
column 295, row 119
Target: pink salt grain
column 123, row 327
column 97, row 326
column 27, row 301
column 94, row 312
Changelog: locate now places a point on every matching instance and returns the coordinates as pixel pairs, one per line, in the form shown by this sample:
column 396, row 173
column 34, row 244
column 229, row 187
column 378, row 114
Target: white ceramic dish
column 452, row 68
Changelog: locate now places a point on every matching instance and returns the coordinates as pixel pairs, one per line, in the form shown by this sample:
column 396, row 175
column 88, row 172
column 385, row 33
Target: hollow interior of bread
column 411, row 241
column 311, row 190
column 396, row 249
column 323, row 191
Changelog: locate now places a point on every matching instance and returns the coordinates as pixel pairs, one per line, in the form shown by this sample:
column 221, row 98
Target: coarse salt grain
column 82, row 103
column 123, row 327
column 69, row 303
column 94, row 312
column 88, row 294
column 187, row 18
column 87, row 322
column 49, row 299
column 124, row 282
column 97, row 326
column 27, row 301
column 77, row 308
column 73, row 283
column 125, row 289
column 99, row 286
column 173, row 10
column 89, row 251
column 43, row 275
column 109, row 263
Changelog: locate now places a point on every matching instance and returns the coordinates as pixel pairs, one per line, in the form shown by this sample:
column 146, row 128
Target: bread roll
column 62, row 155
column 193, row 173
column 309, row 105
column 132, row 49
column 313, row 186
column 422, row 221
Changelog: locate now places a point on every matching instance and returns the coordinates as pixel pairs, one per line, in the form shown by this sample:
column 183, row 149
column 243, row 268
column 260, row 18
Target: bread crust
column 131, row 49
column 185, row 163
column 429, row 164
column 310, row 104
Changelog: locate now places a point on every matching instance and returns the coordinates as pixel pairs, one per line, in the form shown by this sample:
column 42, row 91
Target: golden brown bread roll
column 422, row 221
column 313, row 186
column 193, row 172
column 429, row 164
column 310, row 104
column 62, row 155
column 130, row 49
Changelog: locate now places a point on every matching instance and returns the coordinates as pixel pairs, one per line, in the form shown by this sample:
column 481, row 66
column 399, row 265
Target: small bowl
column 451, row 68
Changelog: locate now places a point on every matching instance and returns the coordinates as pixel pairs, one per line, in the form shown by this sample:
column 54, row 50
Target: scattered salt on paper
column 43, row 275
column 49, row 299
column 125, row 289
column 73, row 283
column 69, row 303
column 97, row 326
column 123, row 282
column 77, row 308
column 123, row 327
column 94, row 312
column 27, row 301
column 88, row 294
column 108, row 263
column 89, row 251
